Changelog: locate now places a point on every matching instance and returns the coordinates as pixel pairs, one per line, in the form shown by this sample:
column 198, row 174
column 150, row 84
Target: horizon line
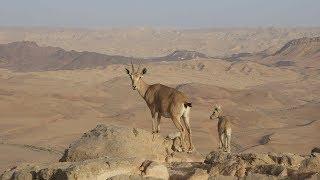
column 156, row 27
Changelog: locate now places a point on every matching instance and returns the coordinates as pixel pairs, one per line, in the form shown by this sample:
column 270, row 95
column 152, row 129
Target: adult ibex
column 163, row 101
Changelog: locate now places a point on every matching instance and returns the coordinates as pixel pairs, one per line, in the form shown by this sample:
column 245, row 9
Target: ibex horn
column 132, row 67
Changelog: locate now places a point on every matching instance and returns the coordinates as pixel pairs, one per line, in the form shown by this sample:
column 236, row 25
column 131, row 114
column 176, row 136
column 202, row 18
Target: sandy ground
column 272, row 109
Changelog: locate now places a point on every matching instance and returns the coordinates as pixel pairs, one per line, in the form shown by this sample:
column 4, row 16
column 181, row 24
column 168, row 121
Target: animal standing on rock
column 224, row 129
column 163, row 101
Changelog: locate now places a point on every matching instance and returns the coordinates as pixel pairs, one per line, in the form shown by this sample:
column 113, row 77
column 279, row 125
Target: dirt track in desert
column 273, row 108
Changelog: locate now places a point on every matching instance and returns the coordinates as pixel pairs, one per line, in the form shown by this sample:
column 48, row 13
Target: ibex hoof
column 183, row 149
column 190, row 151
column 155, row 132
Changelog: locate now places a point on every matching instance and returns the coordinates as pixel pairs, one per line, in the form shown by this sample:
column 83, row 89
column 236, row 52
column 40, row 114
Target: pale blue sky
column 160, row 13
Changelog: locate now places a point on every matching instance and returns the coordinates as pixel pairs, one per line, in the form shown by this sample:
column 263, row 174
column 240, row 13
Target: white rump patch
column 186, row 110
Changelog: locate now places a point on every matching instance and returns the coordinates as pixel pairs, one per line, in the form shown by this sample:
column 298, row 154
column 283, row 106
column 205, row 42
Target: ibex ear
column 144, row 71
column 128, row 72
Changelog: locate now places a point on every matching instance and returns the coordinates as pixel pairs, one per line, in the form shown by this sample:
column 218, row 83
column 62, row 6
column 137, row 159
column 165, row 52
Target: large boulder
column 121, row 142
column 154, row 169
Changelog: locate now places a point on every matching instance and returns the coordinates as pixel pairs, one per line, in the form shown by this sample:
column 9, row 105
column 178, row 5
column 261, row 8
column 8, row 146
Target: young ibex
column 163, row 101
column 224, row 129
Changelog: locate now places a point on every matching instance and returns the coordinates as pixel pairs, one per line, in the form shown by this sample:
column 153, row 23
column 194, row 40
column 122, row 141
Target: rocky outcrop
column 110, row 152
column 101, row 168
column 154, row 169
column 121, row 142
column 282, row 165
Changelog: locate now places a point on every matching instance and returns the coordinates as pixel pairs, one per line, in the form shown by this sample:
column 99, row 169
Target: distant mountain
column 28, row 56
column 179, row 55
column 303, row 51
column 93, row 60
column 301, row 48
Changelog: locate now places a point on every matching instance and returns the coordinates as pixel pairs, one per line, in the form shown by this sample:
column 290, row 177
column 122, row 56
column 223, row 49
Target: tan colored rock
column 184, row 170
column 21, row 175
column 176, row 146
column 101, row 168
column 199, row 174
column 216, row 157
column 154, row 169
column 225, row 164
column 122, row 154
column 308, row 167
column 279, row 165
column 269, row 169
column 132, row 177
column 311, row 164
column 260, row 177
column 185, row 157
column 316, row 155
column 256, row 159
column 315, row 176
column 222, row 178
column 23, row 171
column 287, row 159
column 230, row 167
column 121, row 142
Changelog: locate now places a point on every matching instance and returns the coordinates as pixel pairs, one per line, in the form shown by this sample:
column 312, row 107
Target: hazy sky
column 160, row 13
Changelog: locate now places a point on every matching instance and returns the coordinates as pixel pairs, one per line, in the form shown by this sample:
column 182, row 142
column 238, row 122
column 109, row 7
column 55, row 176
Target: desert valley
column 56, row 84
